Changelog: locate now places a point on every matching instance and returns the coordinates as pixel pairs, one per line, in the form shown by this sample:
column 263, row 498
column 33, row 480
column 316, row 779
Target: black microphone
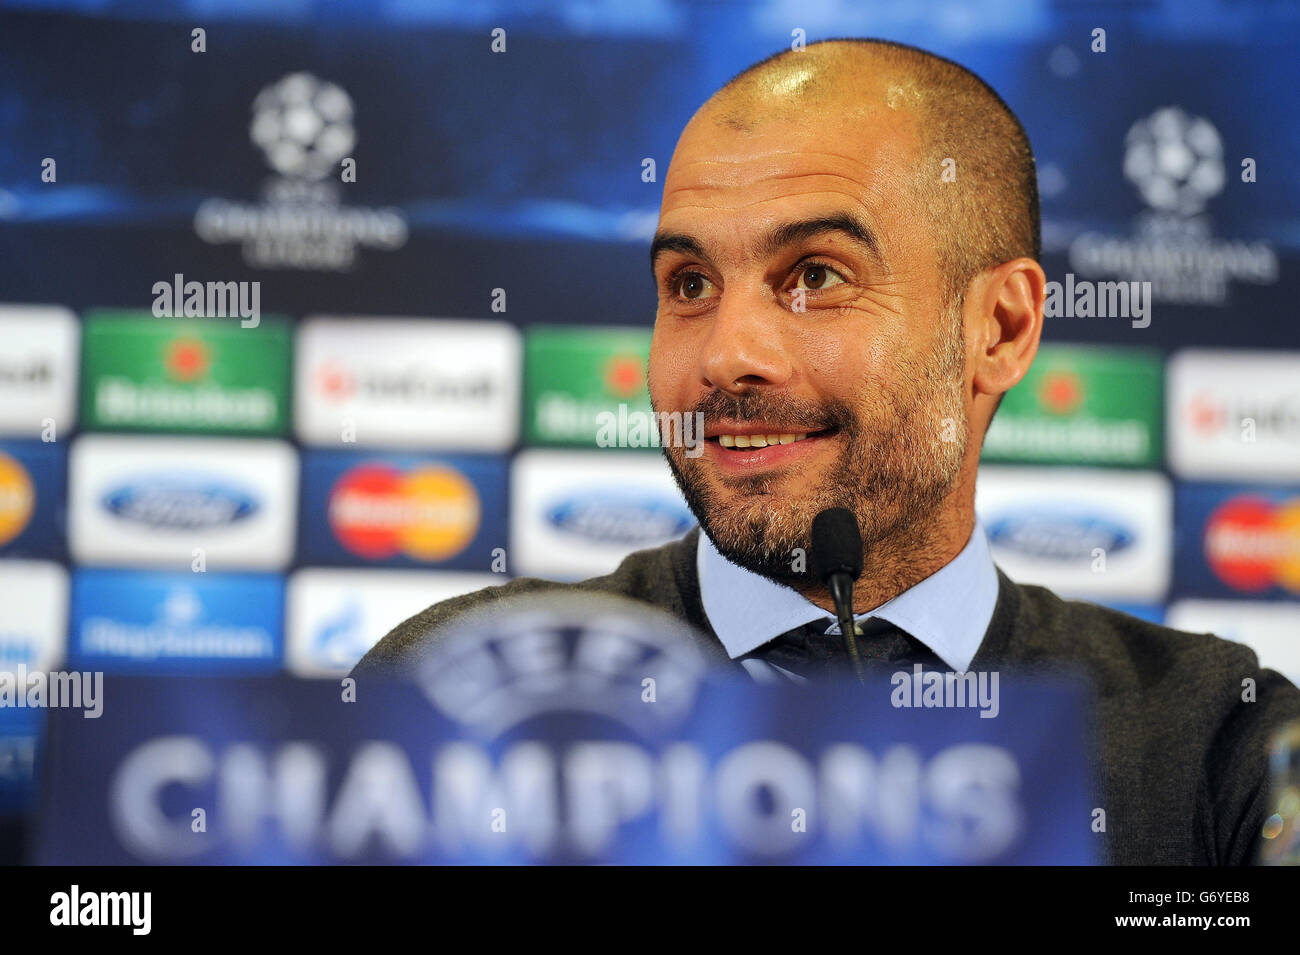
column 837, row 562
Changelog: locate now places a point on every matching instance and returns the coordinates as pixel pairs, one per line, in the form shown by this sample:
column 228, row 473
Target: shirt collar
column 949, row 611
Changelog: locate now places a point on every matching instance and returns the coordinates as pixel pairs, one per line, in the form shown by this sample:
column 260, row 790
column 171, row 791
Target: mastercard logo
column 17, row 498
column 430, row 513
column 1253, row 543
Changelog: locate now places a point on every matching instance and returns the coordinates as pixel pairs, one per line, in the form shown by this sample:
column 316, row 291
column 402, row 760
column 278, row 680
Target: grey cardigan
column 1183, row 760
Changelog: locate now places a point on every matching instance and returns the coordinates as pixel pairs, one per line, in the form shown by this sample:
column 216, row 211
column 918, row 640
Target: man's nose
column 744, row 346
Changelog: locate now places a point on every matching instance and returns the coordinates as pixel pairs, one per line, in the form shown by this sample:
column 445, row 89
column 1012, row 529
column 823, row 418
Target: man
column 847, row 279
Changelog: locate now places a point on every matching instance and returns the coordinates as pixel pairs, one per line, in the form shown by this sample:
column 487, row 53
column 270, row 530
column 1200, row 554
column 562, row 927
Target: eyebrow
column 778, row 238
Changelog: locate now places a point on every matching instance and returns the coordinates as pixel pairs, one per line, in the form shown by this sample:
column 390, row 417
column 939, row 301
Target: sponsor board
column 1238, row 540
column 142, row 373
column 336, row 615
column 304, row 126
column 577, row 514
column 38, row 370
column 1094, row 533
column 743, row 774
column 1082, row 405
column 414, row 383
column 403, row 510
column 1272, row 630
column 192, row 503
column 33, row 614
column 574, row 374
column 1175, row 160
column 33, row 638
column 128, row 621
column 33, row 482
column 1234, row 415
column 20, row 742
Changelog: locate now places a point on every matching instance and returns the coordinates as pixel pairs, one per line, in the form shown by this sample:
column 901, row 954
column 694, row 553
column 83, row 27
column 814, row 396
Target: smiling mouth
column 748, row 442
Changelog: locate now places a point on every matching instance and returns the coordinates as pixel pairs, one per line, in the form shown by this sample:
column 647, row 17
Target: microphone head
column 836, row 544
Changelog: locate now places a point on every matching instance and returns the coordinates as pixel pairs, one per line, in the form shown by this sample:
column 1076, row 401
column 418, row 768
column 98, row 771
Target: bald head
column 841, row 314
column 987, row 214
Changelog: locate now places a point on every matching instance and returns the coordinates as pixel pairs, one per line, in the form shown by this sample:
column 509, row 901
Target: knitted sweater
column 1183, row 759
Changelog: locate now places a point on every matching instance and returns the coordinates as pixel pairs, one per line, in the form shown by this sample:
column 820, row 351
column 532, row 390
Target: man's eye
column 691, row 285
column 818, row 277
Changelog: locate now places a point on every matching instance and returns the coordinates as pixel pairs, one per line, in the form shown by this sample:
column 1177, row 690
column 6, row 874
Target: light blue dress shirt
column 949, row 611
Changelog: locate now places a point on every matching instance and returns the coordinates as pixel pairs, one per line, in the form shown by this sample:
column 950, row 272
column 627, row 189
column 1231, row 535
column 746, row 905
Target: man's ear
column 1004, row 320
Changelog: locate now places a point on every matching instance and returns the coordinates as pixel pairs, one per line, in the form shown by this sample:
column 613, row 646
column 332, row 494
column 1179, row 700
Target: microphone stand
column 840, row 585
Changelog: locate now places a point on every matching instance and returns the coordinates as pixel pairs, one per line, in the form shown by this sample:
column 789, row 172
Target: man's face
column 860, row 399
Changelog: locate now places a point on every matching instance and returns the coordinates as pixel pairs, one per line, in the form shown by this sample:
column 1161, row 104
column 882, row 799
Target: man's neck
column 902, row 560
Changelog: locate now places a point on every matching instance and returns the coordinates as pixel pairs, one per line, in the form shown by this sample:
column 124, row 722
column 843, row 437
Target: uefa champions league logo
column 1175, row 160
column 552, row 656
column 304, row 126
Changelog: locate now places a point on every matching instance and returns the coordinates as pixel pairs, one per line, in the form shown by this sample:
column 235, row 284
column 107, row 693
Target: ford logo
column 620, row 519
column 1061, row 537
column 179, row 504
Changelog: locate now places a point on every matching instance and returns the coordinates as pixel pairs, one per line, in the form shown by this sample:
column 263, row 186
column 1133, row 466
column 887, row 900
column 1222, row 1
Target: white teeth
column 758, row 440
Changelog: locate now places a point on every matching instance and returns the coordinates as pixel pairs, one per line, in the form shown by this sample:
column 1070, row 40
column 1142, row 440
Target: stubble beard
column 895, row 471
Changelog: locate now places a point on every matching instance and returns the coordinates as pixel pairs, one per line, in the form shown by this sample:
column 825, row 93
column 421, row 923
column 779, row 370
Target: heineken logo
column 120, row 401
column 1083, row 405
column 187, row 359
column 1061, row 392
column 624, row 375
column 185, row 376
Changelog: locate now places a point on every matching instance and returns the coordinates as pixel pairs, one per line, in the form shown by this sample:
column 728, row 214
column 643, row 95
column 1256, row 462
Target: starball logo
column 303, row 125
column 1175, row 161
column 305, row 128
column 491, row 678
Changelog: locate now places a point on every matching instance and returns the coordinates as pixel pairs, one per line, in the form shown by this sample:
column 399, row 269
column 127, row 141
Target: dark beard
column 888, row 475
